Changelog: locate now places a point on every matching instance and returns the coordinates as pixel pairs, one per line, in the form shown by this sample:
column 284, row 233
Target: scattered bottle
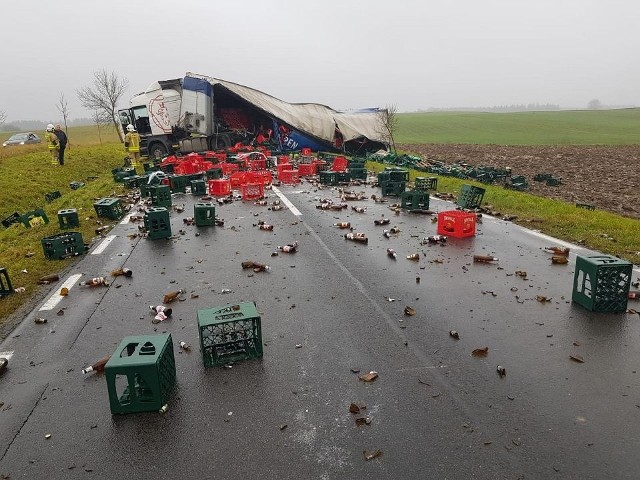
column 101, row 230
column 414, row 256
column 219, row 222
column 188, row 221
column 275, row 202
column 394, row 230
column 161, row 309
column 385, row 233
column 359, row 209
column 259, row 267
column 501, row 370
column 122, row 272
column 418, row 279
column 260, row 203
column 484, row 259
column 391, row 253
column 4, row 363
column 276, row 208
column 171, row 296
column 163, row 409
column 337, row 206
column 47, row 279
column 558, row 250
column 324, row 206
column 95, row 282
column 454, row 334
column 559, row 259
column 20, row 290
column 289, row 248
column 356, row 237
column 634, row 294
column 40, row 320
column 342, row 225
column 185, row 346
column 433, row 239
column 265, row 226
column 382, row 221
column 98, row 366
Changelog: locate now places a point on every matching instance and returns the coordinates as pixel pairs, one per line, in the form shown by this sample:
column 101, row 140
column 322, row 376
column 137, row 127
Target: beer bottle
column 47, row 279
column 265, row 226
column 98, row 366
column 289, row 248
column 185, row 346
column 382, row 221
column 122, row 271
column 342, row 225
column 101, row 230
column 324, row 206
column 259, row 267
column 358, row 209
column 392, row 253
column 171, row 296
column 394, row 230
column 559, row 259
column 161, row 309
column 247, row 264
column 188, row 221
column 558, row 250
column 261, row 203
column 634, row 294
column 219, row 222
column 385, row 233
column 95, row 281
column 414, row 256
column 276, row 208
column 275, row 202
column 356, row 237
column 4, row 363
column 484, row 258
column 40, row 320
column 434, row 239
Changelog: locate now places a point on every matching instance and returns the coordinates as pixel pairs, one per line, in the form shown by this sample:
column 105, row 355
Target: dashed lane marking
column 55, row 298
column 286, row 201
column 104, row 244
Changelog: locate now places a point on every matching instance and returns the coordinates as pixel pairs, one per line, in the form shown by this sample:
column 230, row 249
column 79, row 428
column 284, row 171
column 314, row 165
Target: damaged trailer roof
column 317, row 120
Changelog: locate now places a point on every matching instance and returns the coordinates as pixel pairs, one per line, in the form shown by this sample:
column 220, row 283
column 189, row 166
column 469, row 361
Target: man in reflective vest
column 132, row 145
column 53, row 144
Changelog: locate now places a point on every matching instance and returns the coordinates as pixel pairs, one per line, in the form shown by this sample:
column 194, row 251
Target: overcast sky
column 414, row 54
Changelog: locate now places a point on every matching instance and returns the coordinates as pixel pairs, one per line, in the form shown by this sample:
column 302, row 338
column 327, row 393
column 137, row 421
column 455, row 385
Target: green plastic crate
column 343, row 177
column 328, row 177
column 198, row 187
column 51, row 196
column 358, row 173
column 178, row 183
column 470, row 196
column 109, row 207
column 601, row 283
column 390, row 188
column 33, row 218
column 213, row 173
column 157, row 223
column 426, row 183
column 204, row 214
column 119, row 174
column 415, row 199
column 230, row 333
column 160, row 195
column 136, row 181
column 68, row 218
column 63, row 245
column 5, row 283
column 141, row 374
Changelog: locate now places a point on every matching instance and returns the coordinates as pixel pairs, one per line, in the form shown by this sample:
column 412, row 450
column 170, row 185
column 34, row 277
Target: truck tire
column 220, row 142
column 157, row 151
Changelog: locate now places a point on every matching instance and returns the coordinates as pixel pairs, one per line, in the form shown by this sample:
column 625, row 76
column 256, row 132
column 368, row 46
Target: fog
column 346, row 54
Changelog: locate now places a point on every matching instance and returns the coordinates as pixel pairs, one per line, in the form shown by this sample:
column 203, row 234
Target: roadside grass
column 24, row 181
column 595, row 229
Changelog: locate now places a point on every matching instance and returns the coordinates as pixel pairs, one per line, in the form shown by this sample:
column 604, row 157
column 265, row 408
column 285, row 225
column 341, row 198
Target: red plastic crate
column 457, row 224
column 339, row 164
column 283, row 159
column 282, row 167
column 219, row 187
column 289, row 177
column 252, row 191
column 305, row 169
column 321, row 165
column 218, row 156
column 259, row 176
column 237, row 179
column 260, row 164
column 228, row 168
column 305, row 152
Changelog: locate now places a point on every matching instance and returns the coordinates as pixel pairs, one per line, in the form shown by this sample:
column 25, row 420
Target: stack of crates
column 178, row 183
column 327, row 177
column 157, row 223
column 109, row 207
column 120, row 173
column 141, row 373
column 393, row 181
column 230, row 333
column 63, row 245
column 357, row 170
column 601, row 283
column 470, row 196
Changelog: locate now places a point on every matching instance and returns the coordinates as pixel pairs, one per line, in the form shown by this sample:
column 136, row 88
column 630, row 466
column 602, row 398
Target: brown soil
column 606, row 177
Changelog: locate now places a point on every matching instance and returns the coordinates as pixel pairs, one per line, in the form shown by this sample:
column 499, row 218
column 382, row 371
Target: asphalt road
column 436, row 411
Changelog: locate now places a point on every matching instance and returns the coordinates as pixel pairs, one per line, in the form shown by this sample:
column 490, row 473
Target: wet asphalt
column 330, row 313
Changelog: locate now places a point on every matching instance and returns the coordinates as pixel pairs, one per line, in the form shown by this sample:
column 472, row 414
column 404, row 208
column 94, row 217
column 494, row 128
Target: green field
column 584, row 127
column 26, row 176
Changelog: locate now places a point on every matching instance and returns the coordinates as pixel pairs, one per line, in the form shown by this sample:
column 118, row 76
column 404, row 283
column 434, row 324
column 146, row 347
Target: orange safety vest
column 132, row 142
column 52, row 140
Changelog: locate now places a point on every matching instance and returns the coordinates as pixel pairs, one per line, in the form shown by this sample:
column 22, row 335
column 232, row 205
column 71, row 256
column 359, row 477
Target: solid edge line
column 103, row 245
column 286, row 201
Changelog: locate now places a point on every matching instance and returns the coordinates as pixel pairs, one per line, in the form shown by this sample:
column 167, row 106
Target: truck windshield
column 141, row 117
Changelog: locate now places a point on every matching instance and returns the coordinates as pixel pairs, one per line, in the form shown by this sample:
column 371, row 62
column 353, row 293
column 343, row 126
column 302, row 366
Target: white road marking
column 56, row 297
column 286, row 201
column 127, row 218
column 104, row 244
column 6, row 355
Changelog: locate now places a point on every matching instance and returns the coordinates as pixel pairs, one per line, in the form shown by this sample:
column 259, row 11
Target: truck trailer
column 198, row 113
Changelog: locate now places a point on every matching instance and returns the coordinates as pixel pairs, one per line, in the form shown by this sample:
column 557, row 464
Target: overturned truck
column 198, row 113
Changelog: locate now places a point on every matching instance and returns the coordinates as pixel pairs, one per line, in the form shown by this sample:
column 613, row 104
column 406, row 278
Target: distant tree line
column 35, row 125
column 531, row 107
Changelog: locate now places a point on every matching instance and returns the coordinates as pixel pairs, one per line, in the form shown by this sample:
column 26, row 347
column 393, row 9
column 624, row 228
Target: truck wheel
column 222, row 142
column 157, row 151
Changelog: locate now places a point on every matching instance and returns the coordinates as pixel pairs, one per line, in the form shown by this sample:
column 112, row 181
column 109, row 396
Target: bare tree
column 388, row 118
column 103, row 98
column 3, row 116
column 63, row 108
column 594, row 104
column 100, row 121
